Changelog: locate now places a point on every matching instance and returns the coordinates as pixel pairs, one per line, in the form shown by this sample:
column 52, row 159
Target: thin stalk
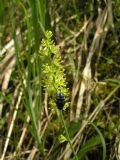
column 67, row 134
column 26, row 88
column 102, row 139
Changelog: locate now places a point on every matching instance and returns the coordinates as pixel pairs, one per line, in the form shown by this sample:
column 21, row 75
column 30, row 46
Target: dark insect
column 60, row 100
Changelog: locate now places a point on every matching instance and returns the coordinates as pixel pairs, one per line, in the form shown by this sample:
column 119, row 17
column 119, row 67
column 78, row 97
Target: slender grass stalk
column 29, row 38
column 102, row 139
column 67, row 134
column 26, row 87
column 38, row 23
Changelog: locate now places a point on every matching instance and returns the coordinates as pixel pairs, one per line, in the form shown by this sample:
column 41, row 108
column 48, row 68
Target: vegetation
column 60, row 80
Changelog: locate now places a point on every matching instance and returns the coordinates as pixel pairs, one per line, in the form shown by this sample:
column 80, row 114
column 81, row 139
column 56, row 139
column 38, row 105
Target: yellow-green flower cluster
column 53, row 72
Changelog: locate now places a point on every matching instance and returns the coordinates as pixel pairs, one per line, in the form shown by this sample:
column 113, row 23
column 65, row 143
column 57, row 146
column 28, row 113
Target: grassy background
column 83, row 61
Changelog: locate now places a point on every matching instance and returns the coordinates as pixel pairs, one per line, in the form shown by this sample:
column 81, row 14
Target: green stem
column 67, row 134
